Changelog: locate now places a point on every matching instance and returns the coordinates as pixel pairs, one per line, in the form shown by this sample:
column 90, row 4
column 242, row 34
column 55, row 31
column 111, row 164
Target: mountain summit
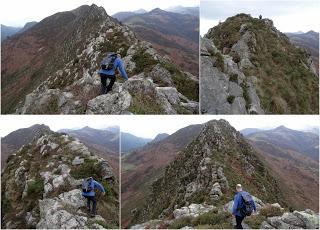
column 248, row 66
column 52, row 68
column 197, row 188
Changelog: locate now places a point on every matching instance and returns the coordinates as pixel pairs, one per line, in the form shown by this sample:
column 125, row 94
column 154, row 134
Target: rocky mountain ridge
column 72, row 85
column 197, row 188
column 201, row 173
column 248, row 66
column 41, row 186
column 16, row 139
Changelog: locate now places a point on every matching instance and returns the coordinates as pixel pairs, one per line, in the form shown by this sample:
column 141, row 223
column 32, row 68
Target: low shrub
column 230, row 99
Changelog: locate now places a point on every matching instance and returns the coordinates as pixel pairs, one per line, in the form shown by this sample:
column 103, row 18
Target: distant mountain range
column 293, row 157
column 125, row 14
column 8, row 31
column 308, row 41
column 130, row 142
column 174, row 33
column 184, row 10
column 303, row 142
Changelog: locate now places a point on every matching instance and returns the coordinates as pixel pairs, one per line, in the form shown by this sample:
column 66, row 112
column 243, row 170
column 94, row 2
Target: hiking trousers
column 239, row 220
column 91, row 199
column 104, row 87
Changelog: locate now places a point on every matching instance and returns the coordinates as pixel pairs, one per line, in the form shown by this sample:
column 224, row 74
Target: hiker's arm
column 122, row 70
column 99, row 186
column 235, row 205
column 254, row 206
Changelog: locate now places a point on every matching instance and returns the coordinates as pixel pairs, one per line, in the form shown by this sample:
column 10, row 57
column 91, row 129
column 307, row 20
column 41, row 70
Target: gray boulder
column 160, row 76
column 77, row 161
column 215, row 192
column 111, row 103
column 193, row 210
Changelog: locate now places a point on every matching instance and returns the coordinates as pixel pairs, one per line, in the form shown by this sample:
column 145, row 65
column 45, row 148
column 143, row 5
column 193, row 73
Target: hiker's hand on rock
column 103, row 194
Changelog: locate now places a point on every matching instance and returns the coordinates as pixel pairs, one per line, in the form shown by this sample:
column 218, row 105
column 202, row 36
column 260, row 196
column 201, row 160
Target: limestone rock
column 111, row 103
column 192, row 210
column 160, row 76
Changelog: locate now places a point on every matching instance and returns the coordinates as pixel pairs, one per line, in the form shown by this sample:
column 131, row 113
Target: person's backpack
column 87, row 185
column 107, row 63
column 247, row 204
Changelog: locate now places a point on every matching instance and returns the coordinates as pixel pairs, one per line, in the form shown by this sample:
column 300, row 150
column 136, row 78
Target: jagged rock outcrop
column 248, row 66
column 201, row 175
column 74, row 87
column 193, row 210
column 293, row 220
column 228, row 91
column 41, row 186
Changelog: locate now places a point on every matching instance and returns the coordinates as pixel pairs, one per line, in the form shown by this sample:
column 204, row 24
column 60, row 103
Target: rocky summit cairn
column 198, row 187
column 41, row 186
column 249, row 67
column 155, row 86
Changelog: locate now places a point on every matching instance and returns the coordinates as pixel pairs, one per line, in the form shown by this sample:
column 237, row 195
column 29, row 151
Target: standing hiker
column 243, row 205
column 88, row 186
column 108, row 67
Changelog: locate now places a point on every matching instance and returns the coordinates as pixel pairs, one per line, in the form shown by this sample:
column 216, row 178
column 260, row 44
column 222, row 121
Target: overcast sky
column 150, row 126
column 17, row 12
column 287, row 15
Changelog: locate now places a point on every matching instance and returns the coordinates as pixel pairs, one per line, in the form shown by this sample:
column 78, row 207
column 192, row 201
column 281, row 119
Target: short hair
column 239, row 186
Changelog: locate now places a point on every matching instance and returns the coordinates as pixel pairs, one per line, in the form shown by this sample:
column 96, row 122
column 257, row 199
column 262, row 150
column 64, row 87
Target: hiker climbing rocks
column 243, row 205
column 108, row 67
column 88, row 186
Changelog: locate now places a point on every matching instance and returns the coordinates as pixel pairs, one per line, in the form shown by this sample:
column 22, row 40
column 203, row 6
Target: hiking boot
column 103, row 90
column 92, row 215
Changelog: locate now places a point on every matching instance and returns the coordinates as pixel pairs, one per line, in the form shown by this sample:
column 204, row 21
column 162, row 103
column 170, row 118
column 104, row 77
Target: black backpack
column 107, row 63
column 247, row 204
column 87, row 185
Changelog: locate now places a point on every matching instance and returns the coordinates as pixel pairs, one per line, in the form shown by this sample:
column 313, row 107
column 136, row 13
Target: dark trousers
column 104, row 87
column 239, row 220
column 91, row 199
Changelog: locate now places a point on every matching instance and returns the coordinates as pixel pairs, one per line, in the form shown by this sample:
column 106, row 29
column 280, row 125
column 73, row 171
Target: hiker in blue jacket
column 88, row 187
column 243, row 205
column 108, row 67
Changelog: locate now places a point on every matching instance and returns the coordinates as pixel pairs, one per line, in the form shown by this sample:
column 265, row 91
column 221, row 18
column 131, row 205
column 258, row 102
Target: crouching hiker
column 243, row 205
column 108, row 67
column 88, row 187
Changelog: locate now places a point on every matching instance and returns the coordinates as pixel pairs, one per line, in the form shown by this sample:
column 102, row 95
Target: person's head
column 239, row 187
column 89, row 178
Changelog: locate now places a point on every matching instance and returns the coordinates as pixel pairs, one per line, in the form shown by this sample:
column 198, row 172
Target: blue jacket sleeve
column 235, row 204
column 254, row 206
column 122, row 70
column 99, row 186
